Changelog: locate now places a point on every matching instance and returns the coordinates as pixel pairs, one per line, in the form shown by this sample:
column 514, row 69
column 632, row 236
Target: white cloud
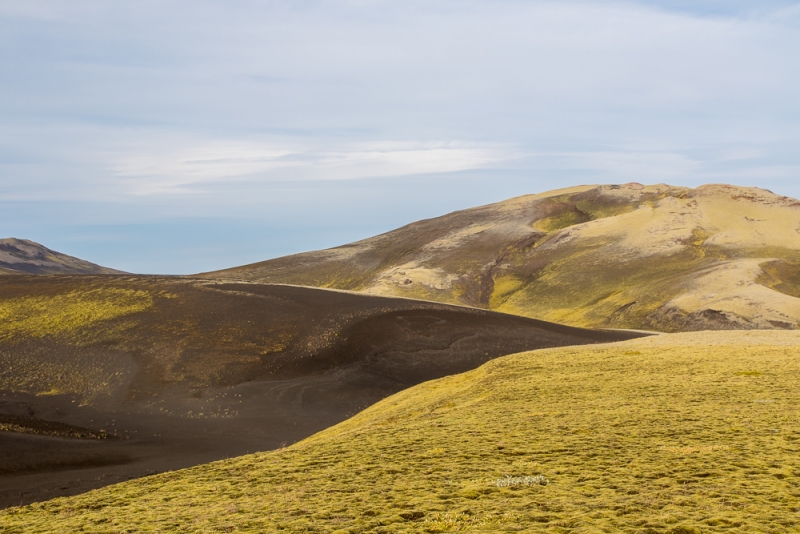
column 90, row 85
column 152, row 173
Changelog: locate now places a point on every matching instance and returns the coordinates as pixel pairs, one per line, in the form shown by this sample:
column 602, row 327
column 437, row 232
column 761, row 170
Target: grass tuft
column 510, row 482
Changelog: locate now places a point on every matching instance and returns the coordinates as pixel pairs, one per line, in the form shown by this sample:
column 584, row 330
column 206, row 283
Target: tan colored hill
column 24, row 256
column 105, row 378
column 632, row 256
column 675, row 434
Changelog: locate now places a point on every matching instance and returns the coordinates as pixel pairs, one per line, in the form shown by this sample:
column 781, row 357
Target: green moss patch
column 67, row 313
column 782, row 276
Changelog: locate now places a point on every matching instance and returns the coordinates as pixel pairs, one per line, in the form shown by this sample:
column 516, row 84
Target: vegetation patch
column 783, row 276
column 749, row 373
column 587, row 288
column 504, row 286
column 67, row 313
column 650, row 435
column 694, row 450
column 569, row 216
column 512, row 482
column 460, row 521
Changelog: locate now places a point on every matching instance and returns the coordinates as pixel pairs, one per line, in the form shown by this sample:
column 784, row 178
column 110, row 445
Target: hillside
column 104, row 378
column 629, row 256
column 23, row 256
column 678, row 433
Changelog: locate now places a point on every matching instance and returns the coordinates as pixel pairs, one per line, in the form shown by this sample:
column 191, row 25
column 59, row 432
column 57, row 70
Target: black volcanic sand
column 213, row 370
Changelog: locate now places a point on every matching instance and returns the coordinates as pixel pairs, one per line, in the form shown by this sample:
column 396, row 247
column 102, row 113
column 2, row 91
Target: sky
column 175, row 137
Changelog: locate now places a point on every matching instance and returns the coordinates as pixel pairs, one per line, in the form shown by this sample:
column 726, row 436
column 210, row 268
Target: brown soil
column 214, row 370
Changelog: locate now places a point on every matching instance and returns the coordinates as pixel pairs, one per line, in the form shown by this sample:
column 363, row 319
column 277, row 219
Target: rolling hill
column 105, row 378
column 23, row 256
column 676, row 434
column 622, row 256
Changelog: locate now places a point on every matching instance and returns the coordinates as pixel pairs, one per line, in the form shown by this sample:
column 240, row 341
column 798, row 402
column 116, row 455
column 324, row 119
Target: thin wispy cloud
column 152, row 173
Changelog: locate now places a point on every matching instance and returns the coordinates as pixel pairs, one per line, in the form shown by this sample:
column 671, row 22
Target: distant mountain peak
column 22, row 256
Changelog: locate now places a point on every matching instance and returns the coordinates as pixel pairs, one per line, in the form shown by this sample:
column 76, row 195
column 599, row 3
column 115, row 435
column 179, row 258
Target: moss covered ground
column 677, row 433
column 67, row 313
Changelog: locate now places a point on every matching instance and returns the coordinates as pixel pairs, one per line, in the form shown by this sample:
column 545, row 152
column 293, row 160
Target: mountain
column 108, row 378
column 23, row 256
column 612, row 256
column 675, row 434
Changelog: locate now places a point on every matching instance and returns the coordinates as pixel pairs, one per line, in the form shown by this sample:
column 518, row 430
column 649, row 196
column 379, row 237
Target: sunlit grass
column 658, row 435
column 66, row 313
column 68, row 319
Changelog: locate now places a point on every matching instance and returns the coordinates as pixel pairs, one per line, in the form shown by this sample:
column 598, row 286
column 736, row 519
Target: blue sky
column 178, row 137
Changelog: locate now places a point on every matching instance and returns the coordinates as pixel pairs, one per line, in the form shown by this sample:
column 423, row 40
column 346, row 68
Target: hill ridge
column 29, row 257
column 600, row 256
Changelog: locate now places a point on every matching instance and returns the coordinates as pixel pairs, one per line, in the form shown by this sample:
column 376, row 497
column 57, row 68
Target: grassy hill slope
column 631, row 256
column 24, row 256
column 186, row 371
column 679, row 433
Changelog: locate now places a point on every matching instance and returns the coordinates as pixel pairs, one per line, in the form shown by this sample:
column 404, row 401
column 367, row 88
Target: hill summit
column 24, row 256
column 621, row 256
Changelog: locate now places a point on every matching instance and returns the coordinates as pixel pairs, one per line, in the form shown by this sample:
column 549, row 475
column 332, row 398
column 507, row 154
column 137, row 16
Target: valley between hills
column 618, row 358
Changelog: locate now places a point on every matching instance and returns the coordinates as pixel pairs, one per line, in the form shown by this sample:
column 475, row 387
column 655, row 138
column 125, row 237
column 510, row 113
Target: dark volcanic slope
column 104, row 378
column 23, row 256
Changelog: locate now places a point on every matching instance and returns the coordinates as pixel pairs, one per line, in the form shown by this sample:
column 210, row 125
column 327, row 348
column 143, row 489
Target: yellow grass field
column 678, row 433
